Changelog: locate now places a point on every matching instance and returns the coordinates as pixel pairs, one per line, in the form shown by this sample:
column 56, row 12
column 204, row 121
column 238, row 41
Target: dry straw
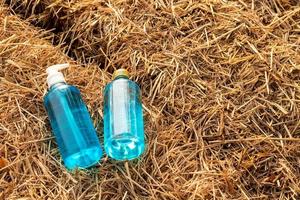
column 220, row 84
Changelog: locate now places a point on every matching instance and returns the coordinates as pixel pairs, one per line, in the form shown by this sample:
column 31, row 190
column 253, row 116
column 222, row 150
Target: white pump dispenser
column 54, row 74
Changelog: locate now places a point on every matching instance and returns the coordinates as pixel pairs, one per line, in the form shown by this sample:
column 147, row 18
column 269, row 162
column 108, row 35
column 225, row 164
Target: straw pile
column 29, row 160
column 220, row 86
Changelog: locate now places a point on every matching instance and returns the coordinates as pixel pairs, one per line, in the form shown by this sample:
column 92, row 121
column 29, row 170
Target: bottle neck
column 121, row 76
column 57, row 85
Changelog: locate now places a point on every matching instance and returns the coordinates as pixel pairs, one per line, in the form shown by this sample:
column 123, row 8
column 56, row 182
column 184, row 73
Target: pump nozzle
column 54, row 74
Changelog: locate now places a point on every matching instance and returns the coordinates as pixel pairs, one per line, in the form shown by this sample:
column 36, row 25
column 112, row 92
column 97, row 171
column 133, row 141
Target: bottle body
column 72, row 126
column 123, row 120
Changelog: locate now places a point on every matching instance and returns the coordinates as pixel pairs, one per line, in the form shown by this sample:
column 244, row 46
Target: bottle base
column 83, row 159
column 124, row 148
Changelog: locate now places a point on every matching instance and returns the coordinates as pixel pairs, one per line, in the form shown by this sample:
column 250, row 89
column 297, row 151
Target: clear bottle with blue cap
column 124, row 137
column 70, row 121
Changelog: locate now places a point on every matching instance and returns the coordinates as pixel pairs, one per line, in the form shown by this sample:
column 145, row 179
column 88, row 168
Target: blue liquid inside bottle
column 72, row 126
column 123, row 120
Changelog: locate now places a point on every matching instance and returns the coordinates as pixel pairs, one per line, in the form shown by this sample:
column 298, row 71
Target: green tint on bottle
column 123, row 118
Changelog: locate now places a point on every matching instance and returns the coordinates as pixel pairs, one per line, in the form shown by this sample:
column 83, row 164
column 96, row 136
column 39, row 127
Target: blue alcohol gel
column 71, row 124
column 123, row 118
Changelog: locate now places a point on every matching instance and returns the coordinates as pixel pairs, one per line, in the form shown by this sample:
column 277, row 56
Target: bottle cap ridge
column 120, row 72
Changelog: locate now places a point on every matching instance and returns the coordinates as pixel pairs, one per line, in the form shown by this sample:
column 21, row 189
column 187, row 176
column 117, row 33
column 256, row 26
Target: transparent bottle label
column 120, row 109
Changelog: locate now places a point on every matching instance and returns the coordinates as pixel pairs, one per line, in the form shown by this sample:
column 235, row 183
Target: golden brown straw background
column 221, row 96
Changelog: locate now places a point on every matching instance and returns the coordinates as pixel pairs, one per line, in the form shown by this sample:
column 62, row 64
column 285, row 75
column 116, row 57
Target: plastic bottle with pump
column 70, row 121
column 123, row 118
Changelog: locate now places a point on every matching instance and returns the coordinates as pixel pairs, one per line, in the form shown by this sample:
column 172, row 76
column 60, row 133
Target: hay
column 221, row 92
column 29, row 160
